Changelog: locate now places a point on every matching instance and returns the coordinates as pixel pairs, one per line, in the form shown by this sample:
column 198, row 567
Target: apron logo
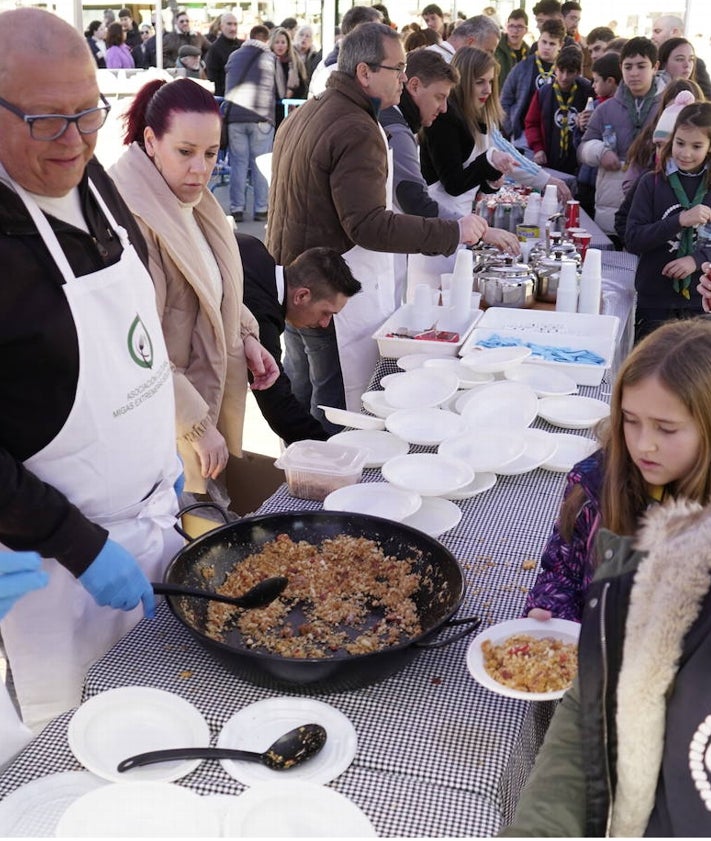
column 140, row 346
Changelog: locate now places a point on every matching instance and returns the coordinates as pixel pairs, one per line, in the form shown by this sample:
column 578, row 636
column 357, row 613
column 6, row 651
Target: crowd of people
column 136, row 316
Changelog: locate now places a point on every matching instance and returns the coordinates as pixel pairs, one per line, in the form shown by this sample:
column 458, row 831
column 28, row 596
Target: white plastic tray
column 444, row 318
column 597, row 333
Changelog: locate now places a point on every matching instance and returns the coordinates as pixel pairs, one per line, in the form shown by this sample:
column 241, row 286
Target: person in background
column 550, row 120
column 572, row 12
column 304, row 46
column 354, row 16
column 420, row 38
column 527, row 77
column 290, row 72
column 386, row 15
column 189, row 64
column 512, row 48
column 643, row 154
column 220, row 51
column 634, row 104
column 144, row 55
column 182, row 35
column 173, row 136
column 677, row 60
column 665, row 27
column 666, row 224
column 95, row 35
column 329, row 188
column 458, row 158
column 79, row 327
column 291, row 25
column 433, row 17
column 607, row 75
column 624, row 755
column 118, row 55
column 130, row 28
column 250, row 83
column 306, row 294
column 598, row 41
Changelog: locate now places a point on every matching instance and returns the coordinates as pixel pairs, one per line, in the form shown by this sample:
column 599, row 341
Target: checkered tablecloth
column 438, row 755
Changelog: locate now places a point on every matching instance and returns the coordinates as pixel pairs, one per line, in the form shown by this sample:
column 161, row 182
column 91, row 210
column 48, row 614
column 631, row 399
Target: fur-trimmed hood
column 669, row 588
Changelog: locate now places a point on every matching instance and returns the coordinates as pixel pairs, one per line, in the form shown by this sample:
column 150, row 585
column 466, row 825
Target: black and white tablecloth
column 438, row 755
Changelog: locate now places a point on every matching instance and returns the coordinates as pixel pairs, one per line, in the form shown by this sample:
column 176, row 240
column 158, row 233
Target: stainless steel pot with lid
column 508, row 285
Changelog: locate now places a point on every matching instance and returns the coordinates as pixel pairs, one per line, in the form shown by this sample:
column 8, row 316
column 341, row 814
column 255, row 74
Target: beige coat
column 205, row 343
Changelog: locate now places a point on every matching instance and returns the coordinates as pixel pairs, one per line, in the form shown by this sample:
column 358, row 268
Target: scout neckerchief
column 544, row 76
column 520, row 53
column 638, row 107
column 686, row 243
column 563, row 121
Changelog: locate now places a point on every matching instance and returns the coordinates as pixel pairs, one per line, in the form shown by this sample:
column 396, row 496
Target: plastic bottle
column 590, row 104
column 609, row 138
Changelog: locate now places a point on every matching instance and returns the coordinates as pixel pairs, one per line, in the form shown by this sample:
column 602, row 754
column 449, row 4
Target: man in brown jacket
column 329, row 188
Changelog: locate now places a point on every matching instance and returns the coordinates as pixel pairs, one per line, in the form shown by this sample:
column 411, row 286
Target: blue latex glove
column 20, row 572
column 114, row 579
column 179, row 484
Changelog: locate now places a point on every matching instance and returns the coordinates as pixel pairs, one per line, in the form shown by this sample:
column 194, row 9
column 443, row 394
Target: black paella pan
column 205, row 563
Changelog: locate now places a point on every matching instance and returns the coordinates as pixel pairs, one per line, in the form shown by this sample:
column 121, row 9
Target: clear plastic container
column 315, row 468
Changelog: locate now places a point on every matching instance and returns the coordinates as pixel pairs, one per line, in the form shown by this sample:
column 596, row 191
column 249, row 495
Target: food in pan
column 344, row 595
column 531, row 664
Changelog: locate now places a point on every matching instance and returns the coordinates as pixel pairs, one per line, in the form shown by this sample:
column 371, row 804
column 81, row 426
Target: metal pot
column 206, row 562
column 511, row 285
column 547, row 270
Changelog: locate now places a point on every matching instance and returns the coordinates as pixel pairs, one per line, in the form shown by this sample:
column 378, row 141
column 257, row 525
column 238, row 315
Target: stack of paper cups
column 462, row 282
column 567, row 295
column 591, row 282
column 549, row 204
column 422, row 311
column 533, row 209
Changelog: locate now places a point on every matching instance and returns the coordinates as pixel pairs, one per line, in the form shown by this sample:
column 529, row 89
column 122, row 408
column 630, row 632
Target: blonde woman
column 291, row 73
column 453, row 145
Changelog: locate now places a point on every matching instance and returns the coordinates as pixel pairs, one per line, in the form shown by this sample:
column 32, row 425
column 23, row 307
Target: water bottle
column 609, row 138
column 590, row 104
column 703, row 233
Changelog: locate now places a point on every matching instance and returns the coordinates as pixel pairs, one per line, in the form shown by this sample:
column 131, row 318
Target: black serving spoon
column 293, row 748
column 260, row 595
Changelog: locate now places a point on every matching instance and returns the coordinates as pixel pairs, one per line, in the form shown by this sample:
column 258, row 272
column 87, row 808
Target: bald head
column 26, row 32
column 60, row 80
column 666, row 27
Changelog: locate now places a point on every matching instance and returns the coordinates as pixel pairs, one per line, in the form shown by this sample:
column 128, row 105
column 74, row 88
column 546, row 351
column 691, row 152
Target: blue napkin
column 550, row 354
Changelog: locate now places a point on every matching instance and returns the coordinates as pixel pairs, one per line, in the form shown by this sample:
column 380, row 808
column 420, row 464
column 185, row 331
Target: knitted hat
column 667, row 120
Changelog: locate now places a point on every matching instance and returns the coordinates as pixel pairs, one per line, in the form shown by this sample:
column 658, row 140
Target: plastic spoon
column 293, row 748
column 260, row 595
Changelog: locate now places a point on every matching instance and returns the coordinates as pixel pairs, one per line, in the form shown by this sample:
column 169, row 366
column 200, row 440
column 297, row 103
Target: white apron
column 114, row 459
column 366, row 311
column 422, row 269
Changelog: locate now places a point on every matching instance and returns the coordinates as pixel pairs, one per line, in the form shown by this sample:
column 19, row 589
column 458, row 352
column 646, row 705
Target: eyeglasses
column 400, row 68
column 515, row 26
column 53, row 126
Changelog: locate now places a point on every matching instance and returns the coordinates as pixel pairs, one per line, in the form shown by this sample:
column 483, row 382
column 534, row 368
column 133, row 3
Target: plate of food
column 528, row 659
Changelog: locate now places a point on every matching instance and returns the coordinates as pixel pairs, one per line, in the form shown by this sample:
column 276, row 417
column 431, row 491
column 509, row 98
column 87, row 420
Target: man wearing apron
column 329, row 187
column 87, row 440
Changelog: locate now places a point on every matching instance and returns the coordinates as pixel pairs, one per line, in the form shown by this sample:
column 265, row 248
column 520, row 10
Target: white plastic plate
column 571, row 449
column 546, row 382
column 428, row 474
column 421, row 388
column 376, row 498
column 502, row 405
column 435, row 516
column 493, row 360
column 427, row 427
column 573, row 412
column 354, row 419
column 379, row 445
column 540, row 447
column 485, row 451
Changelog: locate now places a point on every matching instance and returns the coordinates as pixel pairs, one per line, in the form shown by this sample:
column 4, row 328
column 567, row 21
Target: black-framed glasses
column 53, row 126
column 400, row 68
